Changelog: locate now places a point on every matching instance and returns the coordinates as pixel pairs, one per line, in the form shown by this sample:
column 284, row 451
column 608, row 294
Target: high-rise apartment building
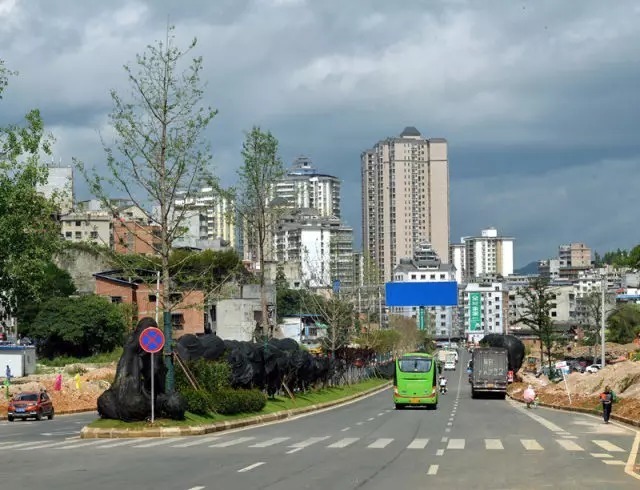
column 574, row 256
column 486, row 255
column 59, row 185
column 303, row 187
column 405, row 198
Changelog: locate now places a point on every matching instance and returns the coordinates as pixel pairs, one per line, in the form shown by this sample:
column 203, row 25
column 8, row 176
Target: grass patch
column 273, row 405
column 104, row 358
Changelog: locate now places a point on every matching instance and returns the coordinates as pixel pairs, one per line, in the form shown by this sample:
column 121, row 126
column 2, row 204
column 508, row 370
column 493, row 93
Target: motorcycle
column 443, row 389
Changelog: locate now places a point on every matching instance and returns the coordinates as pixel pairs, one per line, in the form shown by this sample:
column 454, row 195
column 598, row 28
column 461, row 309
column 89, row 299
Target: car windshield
column 415, row 365
column 27, row 397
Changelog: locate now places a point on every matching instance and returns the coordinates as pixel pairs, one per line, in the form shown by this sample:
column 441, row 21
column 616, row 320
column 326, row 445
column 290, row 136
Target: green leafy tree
column 254, row 202
column 160, row 150
column 29, row 234
column 624, row 323
column 79, row 327
column 538, row 302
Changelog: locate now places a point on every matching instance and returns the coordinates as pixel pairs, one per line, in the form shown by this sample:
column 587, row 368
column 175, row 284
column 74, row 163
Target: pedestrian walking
column 529, row 396
column 607, row 397
column 7, row 373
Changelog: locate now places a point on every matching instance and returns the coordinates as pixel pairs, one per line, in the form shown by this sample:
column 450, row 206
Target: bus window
column 414, row 365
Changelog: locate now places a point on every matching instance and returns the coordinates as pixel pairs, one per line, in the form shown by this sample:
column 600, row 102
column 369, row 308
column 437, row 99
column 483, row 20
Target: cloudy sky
column 539, row 100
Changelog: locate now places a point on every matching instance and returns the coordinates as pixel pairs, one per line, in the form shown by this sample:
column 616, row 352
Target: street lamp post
column 602, row 321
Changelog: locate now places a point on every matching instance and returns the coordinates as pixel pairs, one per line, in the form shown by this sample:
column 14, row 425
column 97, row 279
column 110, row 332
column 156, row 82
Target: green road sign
column 475, row 312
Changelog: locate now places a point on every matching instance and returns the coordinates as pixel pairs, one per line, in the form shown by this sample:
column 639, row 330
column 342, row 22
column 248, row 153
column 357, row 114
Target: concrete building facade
column 488, row 304
column 487, row 254
column 405, row 198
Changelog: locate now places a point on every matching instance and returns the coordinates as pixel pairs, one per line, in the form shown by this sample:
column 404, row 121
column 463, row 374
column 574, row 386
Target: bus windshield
column 415, row 365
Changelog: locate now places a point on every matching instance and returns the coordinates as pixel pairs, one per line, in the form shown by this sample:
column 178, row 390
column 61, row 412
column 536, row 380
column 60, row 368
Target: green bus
column 415, row 380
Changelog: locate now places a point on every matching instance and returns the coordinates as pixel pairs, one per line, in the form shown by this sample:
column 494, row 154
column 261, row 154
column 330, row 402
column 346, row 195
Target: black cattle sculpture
column 514, row 346
column 129, row 397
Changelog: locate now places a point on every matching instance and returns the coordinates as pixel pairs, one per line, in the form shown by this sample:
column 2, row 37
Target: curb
column 96, row 433
column 618, row 418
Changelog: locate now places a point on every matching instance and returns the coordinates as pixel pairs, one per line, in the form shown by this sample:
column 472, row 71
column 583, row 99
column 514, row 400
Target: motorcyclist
column 443, row 384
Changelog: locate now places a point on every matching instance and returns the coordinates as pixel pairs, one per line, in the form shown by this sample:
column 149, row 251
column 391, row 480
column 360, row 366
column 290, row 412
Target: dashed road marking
column 439, row 452
column 433, row 469
column 251, row 466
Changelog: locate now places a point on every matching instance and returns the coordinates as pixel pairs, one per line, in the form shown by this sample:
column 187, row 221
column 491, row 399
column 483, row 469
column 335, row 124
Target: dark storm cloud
column 534, row 97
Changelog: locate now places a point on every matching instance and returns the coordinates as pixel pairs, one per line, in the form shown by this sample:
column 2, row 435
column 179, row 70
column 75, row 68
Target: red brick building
column 187, row 317
column 133, row 237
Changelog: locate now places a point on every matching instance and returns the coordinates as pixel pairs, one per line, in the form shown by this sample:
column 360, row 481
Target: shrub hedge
column 198, row 401
column 229, row 401
column 211, row 376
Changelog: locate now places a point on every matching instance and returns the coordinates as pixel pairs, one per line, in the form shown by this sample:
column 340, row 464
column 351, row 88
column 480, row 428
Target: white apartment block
column 564, row 305
column 485, row 310
column 487, row 254
column 304, row 187
column 322, row 246
column 425, row 266
column 92, row 226
column 405, row 198
column 218, row 212
column 458, row 257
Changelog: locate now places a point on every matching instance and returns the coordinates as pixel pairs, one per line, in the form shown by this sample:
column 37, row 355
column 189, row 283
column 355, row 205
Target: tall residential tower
column 405, row 198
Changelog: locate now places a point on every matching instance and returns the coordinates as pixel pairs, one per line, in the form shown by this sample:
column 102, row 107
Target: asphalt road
column 465, row 443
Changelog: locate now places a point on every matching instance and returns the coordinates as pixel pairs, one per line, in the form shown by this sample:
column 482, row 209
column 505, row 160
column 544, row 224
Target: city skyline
column 530, row 136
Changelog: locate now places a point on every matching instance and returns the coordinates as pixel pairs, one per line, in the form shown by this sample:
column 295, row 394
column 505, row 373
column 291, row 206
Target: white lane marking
column 439, row 452
column 601, row 455
column 251, row 466
column 449, row 424
column 493, row 444
column 418, row 444
column 433, row 469
column 359, row 423
column 569, row 445
column 444, row 439
column 531, row 445
column 121, row 443
column 344, row 442
column 607, row 446
column 380, row 443
column 569, row 437
column 271, row 442
column 84, row 444
column 615, row 462
column 447, row 429
column 455, row 444
column 197, row 488
column 201, row 440
column 380, row 414
column 345, row 429
column 308, row 442
column 544, row 422
column 633, row 454
column 370, row 419
column 294, row 450
column 233, row 442
column 161, row 442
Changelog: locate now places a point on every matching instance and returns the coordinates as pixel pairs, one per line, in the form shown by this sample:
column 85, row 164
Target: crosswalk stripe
column 433, row 469
column 160, row 442
column 200, row 440
column 380, row 443
column 344, row 442
column 531, row 445
column 569, row 445
column 121, row 443
column 271, row 442
column 455, row 444
column 601, row 455
column 614, row 462
column 607, row 446
column 233, row 442
column 23, row 444
column 83, row 444
column 308, row 442
column 418, row 444
column 43, row 446
column 493, row 444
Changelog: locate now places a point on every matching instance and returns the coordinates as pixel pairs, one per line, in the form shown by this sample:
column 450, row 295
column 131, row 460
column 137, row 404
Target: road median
column 89, row 432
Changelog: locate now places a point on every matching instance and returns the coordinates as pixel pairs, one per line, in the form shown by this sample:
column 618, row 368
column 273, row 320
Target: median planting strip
column 89, row 432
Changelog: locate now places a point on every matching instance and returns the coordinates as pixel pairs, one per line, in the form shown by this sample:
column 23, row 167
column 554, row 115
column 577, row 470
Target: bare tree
column 254, row 202
column 539, row 298
column 159, row 152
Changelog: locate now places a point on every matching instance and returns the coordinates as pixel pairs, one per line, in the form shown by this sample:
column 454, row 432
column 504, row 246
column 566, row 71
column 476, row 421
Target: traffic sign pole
column 152, row 341
column 153, row 391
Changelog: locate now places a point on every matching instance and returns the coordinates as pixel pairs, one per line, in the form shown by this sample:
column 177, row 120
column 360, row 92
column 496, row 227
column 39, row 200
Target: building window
column 116, row 299
column 78, row 223
column 68, row 234
column 441, row 276
column 177, row 321
column 413, row 276
column 93, row 235
column 78, row 235
column 152, row 298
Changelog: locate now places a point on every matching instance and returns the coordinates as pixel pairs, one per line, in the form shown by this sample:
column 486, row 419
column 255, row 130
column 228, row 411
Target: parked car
column 594, row 368
column 30, row 404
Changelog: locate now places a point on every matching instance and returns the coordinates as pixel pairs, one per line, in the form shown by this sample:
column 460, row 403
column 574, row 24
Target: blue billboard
column 443, row 293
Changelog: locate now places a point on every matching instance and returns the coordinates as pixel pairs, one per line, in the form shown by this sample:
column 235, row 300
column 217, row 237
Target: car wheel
column 51, row 414
column 39, row 416
column 10, row 418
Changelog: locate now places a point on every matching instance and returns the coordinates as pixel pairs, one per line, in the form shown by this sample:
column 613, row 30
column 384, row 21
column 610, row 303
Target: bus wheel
column 399, row 406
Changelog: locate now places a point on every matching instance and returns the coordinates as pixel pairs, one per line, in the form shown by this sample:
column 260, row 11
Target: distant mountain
column 530, row 268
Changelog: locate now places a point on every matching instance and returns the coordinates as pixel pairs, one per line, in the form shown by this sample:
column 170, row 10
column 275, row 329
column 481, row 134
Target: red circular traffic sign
column 152, row 340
